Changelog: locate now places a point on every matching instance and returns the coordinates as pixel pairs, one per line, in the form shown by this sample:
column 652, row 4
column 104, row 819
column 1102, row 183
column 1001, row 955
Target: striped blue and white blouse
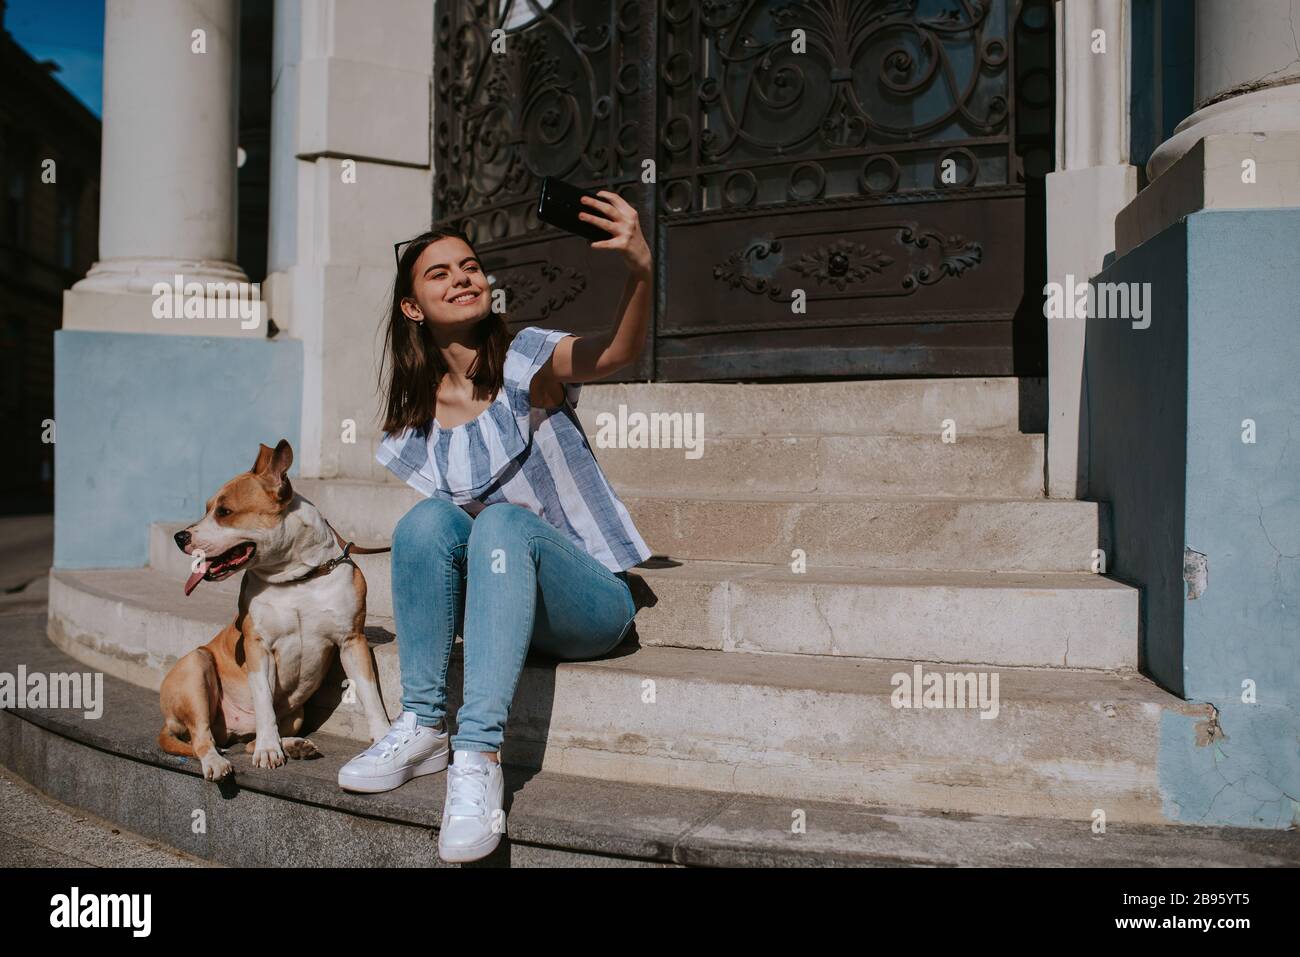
column 512, row 452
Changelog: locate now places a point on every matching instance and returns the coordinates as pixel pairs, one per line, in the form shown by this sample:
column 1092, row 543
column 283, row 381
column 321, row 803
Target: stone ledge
column 1208, row 176
column 132, row 313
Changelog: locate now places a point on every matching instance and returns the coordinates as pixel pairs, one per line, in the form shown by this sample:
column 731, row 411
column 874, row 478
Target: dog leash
column 354, row 547
column 349, row 548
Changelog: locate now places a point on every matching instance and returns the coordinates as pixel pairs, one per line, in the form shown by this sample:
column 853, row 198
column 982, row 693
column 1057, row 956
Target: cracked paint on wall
column 1242, row 776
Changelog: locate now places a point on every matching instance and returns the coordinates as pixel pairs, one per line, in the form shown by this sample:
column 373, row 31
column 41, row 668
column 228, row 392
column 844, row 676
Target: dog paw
column 268, row 756
column 215, row 767
column 300, row 748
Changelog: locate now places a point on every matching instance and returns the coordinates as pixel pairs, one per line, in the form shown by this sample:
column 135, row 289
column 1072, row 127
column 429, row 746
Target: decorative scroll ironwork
column 767, row 101
column 557, row 93
column 841, row 263
column 538, row 289
column 760, row 102
column 812, row 137
column 845, row 266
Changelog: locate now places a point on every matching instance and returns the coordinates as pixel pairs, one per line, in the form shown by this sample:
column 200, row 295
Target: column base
column 166, row 297
column 1275, row 109
column 140, row 275
column 1210, row 176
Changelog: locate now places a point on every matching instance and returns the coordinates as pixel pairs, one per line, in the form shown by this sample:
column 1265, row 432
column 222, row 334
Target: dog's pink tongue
column 195, row 577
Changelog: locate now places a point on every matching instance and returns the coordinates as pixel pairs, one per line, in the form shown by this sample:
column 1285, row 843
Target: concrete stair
column 296, row 816
column 1039, row 535
column 1036, row 619
column 982, row 406
column 867, row 438
column 888, row 466
column 767, row 680
column 1063, row 742
column 850, row 438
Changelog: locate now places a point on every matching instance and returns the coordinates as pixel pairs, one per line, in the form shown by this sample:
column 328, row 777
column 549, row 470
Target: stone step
column 1042, row 535
column 1062, row 743
column 998, row 466
column 872, row 438
column 1042, row 619
column 296, row 816
column 888, row 466
column 977, row 406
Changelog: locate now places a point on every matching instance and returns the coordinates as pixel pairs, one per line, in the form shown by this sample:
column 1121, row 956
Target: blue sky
column 69, row 32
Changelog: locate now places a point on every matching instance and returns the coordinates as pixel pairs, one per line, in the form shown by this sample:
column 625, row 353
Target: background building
column 49, row 220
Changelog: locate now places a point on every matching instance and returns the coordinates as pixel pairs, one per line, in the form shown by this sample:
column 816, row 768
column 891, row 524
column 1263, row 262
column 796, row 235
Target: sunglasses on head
column 398, row 247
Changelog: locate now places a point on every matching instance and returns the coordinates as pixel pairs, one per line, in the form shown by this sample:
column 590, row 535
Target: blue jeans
column 504, row 580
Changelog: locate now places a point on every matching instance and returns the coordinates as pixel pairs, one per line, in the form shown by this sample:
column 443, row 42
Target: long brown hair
column 412, row 363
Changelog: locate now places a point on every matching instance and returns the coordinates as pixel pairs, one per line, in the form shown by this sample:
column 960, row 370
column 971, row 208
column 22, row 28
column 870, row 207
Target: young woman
column 484, row 425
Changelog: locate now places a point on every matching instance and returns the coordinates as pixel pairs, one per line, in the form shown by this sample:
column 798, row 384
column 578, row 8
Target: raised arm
column 591, row 357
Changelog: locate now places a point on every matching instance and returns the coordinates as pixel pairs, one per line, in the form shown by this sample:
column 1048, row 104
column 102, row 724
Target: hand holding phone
column 562, row 204
column 559, row 205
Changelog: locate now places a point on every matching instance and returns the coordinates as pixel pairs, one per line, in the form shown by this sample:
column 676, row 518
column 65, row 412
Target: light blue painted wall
column 149, row 426
column 1243, row 511
column 1224, row 346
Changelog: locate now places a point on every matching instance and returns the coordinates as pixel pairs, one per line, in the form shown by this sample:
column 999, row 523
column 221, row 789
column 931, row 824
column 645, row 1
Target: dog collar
column 329, row 566
column 324, row 568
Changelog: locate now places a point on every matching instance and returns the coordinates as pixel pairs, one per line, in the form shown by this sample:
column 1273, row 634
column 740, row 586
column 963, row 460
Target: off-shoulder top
column 513, row 452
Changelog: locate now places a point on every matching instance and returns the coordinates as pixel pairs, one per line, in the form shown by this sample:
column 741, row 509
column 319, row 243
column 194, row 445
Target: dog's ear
column 273, row 466
column 278, row 470
column 281, row 458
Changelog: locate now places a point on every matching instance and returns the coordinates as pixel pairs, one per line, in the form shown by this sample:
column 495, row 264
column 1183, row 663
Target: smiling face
column 449, row 287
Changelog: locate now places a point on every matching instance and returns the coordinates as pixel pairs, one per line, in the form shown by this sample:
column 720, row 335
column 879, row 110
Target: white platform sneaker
column 406, row 751
column 473, row 817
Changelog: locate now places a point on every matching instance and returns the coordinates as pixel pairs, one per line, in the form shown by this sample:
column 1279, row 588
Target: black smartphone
column 559, row 205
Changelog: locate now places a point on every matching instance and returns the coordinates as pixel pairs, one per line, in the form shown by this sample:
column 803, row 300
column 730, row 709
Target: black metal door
column 838, row 187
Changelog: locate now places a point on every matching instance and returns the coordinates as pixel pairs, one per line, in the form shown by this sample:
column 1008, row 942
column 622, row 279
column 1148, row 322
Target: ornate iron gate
column 840, row 187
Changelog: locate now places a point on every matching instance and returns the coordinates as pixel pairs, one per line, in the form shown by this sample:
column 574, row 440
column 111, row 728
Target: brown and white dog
column 253, row 679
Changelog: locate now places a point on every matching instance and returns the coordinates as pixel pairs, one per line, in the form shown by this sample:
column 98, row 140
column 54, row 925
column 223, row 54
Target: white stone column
column 1247, row 74
column 1092, row 182
column 168, row 168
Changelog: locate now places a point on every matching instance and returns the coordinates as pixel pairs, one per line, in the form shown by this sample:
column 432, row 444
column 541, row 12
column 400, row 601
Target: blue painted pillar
column 149, row 426
column 1174, row 409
